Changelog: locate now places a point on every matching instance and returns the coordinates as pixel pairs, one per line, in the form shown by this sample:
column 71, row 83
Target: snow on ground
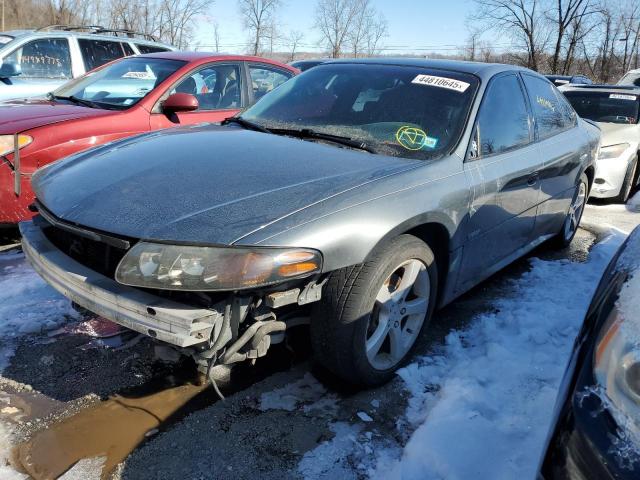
column 481, row 406
column 27, row 304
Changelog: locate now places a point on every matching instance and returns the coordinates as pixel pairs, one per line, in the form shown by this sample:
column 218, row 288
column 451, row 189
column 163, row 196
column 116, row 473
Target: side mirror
column 180, row 102
column 10, row 70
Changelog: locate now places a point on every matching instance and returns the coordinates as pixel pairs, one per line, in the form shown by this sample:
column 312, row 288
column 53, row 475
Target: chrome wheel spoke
column 409, row 277
column 375, row 341
column 397, row 344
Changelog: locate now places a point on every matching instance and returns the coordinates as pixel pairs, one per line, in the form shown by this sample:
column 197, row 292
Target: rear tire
column 628, row 184
column 366, row 324
column 574, row 215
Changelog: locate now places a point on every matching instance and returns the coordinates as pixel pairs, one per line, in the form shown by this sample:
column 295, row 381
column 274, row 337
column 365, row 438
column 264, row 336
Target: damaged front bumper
column 169, row 321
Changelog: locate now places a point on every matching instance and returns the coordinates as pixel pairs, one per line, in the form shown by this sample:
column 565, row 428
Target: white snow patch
column 85, row 469
column 6, row 472
column 365, row 417
column 307, row 390
column 331, row 459
column 27, row 304
column 481, row 406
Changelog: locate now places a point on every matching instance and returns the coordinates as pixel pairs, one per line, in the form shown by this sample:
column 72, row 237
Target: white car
column 632, row 77
column 616, row 109
column 35, row 62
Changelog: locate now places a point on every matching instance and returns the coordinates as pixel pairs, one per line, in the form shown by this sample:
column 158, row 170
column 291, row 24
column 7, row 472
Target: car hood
column 206, row 184
column 21, row 115
column 614, row 133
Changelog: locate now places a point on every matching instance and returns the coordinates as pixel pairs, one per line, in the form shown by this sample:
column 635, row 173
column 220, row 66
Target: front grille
column 97, row 256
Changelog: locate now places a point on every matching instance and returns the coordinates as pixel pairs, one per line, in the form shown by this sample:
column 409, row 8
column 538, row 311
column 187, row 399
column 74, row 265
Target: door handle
column 533, row 179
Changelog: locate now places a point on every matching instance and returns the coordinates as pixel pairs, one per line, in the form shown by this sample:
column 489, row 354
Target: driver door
column 219, row 89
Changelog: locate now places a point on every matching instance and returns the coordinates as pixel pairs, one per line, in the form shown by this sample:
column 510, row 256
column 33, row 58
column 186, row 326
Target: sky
column 415, row 26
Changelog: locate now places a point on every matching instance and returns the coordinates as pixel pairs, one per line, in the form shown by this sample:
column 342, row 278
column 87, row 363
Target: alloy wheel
column 400, row 310
column 575, row 211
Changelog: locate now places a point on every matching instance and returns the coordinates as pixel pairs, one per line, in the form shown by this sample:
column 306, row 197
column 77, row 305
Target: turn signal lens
column 7, row 143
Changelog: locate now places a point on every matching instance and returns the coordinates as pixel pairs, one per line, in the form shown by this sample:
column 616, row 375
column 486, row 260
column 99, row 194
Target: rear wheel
column 371, row 314
column 574, row 215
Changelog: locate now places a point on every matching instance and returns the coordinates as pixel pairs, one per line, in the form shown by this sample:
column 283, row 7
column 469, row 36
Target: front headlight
column 612, row 151
column 7, row 143
column 192, row 268
column 617, row 357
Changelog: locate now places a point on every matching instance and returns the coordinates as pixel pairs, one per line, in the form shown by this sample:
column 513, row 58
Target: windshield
column 605, row 106
column 394, row 110
column 630, row 79
column 121, row 84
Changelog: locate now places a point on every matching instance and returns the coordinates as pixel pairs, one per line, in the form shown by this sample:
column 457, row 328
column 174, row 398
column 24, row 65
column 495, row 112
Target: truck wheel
column 370, row 315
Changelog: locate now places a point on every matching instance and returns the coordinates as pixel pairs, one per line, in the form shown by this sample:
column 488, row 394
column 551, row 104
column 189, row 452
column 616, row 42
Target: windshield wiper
column 246, row 124
column 308, row 133
column 76, row 100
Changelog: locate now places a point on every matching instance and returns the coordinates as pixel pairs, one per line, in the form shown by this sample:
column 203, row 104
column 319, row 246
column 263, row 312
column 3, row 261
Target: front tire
column 628, row 184
column 371, row 314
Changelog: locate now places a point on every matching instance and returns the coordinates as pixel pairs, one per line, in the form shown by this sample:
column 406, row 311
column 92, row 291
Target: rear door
column 563, row 148
column 219, row 88
column 502, row 170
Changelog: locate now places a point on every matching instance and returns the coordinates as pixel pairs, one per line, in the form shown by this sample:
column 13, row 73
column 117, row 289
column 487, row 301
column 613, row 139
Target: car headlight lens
column 7, row 143
column 612, row 151
column 617, row 358
column 193, row 268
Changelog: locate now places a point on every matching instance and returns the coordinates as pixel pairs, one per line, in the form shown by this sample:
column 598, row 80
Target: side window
column 150, row 48
column 546, row 106
column 569, row 115
column 44, row 58
column 503, row 121
column 99, row 52
column 128, row 51
column 264, row 79
column 216, row 87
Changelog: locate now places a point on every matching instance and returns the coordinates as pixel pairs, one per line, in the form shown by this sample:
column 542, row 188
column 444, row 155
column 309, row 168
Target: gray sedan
column 356, row 198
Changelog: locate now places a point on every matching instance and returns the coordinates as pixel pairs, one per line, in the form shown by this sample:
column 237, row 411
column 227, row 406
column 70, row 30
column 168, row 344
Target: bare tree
column 216, row 35
column 258, row 19
column 376, row 31
column 566, row 13
column 520, row 19
column 295, row 38
column 334, row 20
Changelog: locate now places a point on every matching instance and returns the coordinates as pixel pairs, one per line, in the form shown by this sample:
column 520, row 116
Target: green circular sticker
column 411, row 138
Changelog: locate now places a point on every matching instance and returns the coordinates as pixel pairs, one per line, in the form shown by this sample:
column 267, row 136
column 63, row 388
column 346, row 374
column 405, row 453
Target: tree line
column 599, row 38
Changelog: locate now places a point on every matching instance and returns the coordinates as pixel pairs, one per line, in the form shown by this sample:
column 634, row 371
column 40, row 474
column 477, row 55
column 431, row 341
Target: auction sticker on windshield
column 620, row 96
column 442, row 82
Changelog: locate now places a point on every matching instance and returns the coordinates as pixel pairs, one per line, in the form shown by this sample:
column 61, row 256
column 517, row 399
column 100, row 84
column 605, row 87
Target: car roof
column 482, row 70
column 602, row 88
column 211, row 56
column 18, row 34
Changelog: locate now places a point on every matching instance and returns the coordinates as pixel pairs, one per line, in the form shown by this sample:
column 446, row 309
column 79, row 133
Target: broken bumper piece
column 172, row 322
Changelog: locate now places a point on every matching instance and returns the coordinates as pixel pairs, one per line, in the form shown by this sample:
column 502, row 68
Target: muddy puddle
column 110, row 430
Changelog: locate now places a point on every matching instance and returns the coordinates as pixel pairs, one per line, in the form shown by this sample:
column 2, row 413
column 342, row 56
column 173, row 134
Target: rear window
column 606, row 107
column 98, row 52
column 402, row 111
column 150, row 48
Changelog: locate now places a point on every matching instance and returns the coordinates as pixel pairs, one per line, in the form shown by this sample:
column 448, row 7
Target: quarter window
column 503, row 120
column 551, row 116
column 44, row 58
column 98, row 52
column 263, row 80
column 150, row 48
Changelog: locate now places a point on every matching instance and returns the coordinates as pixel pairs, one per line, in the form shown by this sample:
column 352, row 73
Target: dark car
column 596, row 431
column 357, row 197
column 303, row 65
column 559, row 80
